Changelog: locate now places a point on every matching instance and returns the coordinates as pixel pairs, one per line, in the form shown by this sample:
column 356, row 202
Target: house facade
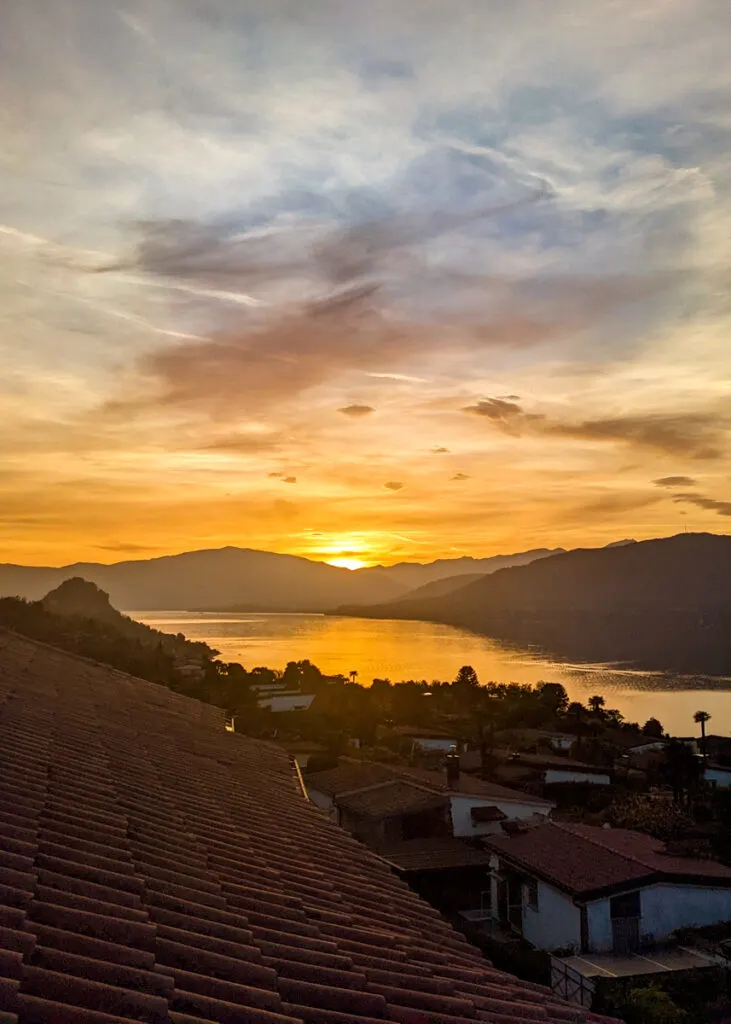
column 592, row 890
column 717, row 775
column 474, row 807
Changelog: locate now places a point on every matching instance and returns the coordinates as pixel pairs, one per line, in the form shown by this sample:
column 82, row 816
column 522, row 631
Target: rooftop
column 584, row 859
column 552, row 761
column 436, row 854
column 155, row 868
column 351, row 775
column 386, row 799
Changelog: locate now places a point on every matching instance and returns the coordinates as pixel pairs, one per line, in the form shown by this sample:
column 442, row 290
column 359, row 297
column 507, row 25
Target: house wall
column 562, row 743
column 322, row 800
column 570, row 775
column 664, row 909
column 461, row 807
column 435, row 743
column 720, row 776
column 287, row 702
column 556, row 924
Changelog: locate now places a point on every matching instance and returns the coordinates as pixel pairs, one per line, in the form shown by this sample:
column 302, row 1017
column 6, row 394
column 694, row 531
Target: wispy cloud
column 220, row 222
column 723, row 508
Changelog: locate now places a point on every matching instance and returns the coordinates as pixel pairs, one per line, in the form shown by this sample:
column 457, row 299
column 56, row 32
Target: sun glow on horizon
column 347, row 563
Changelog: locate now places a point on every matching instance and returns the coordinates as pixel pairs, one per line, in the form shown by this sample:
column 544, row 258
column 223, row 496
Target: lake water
column 398, row 650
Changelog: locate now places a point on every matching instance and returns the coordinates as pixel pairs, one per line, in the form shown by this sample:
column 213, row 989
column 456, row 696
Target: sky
column 366, row 283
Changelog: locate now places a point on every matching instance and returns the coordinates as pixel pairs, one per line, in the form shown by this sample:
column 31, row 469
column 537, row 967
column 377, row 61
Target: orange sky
column 362, row 289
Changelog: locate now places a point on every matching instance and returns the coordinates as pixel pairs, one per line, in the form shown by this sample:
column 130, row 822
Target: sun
column 347, row 563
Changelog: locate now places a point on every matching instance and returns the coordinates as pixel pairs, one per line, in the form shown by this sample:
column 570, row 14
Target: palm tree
column 702, row 717
column 596, row 704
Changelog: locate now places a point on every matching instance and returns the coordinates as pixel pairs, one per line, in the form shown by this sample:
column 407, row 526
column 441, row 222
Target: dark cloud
column 393, row 485
column 289, row 480
column 723, row 508
column 694, row 435
column 507, row 415
column 275, row 476
column 460, row 476
column 357, row 411
column 499, row 409
column 675, row 481
column 440, row 451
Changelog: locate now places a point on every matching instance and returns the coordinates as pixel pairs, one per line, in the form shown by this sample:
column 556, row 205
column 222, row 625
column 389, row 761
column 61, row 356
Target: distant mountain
column 78, row 617
column 663, row 604
column 438, row 588
column 222, row 578
column 416, row 574
column 243, row 579
column 79, row 599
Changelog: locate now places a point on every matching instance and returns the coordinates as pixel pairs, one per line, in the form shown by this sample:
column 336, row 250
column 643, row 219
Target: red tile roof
column 156, row 868
column 351, row 775
column 433, row 854
column 386, row 799
column 583, row 858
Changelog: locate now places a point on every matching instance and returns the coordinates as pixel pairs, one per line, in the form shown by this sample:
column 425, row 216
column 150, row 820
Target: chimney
column 452, row 762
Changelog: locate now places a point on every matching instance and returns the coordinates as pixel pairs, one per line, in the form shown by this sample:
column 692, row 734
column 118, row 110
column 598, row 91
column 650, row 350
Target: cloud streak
column 221, row 223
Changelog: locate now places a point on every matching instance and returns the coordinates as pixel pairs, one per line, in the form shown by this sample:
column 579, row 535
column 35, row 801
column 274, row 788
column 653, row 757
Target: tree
column 467, row 677
column 651, row 1006
column 553, row 698
column 596, row 704
column 682, row 771
column 653, row 728
column 702, row 717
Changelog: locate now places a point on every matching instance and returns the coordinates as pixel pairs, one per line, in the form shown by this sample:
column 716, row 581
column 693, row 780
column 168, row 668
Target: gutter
column 294, row 765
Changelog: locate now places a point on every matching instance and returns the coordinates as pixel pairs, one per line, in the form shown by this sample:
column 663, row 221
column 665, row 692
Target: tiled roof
column 434, row 854
column 351, row 775
column 553, row 761
column 583, row 858
column 398, row 796
column 158, row 869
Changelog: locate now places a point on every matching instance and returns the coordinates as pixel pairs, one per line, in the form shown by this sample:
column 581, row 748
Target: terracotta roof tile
column 156, row 868
column 585, row 858
column 433, row 854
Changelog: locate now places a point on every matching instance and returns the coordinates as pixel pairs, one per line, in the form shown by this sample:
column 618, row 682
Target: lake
column 397, row 650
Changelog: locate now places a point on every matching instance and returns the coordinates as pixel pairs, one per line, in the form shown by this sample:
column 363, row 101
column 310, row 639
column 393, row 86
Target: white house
column 278, row 697
column 286, row 701
column 441, row 744
column 562, row 769
column 476, row 808
column 717, row 775
column 593, row 890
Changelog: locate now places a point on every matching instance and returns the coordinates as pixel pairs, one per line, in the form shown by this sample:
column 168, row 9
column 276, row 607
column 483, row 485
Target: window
column 626, row 905
column 531, row 894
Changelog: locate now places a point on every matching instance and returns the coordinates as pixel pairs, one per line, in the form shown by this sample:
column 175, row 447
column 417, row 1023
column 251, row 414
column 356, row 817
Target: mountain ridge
column 662, row 604
column 232, row 578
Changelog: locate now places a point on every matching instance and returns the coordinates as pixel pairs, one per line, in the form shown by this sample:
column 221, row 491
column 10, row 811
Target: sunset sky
column 366, row 282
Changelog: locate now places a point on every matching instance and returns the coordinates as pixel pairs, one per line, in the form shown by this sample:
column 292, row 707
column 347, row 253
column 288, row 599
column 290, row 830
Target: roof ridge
column 391, row 782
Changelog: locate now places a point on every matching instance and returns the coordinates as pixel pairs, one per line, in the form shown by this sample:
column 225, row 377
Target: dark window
column 626, row 905
column 532, row 893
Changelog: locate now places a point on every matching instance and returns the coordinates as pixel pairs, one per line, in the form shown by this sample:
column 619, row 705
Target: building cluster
column 158, row 866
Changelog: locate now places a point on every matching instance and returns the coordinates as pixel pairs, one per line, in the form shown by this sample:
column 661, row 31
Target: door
column 625, row 912
column 625, row 935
